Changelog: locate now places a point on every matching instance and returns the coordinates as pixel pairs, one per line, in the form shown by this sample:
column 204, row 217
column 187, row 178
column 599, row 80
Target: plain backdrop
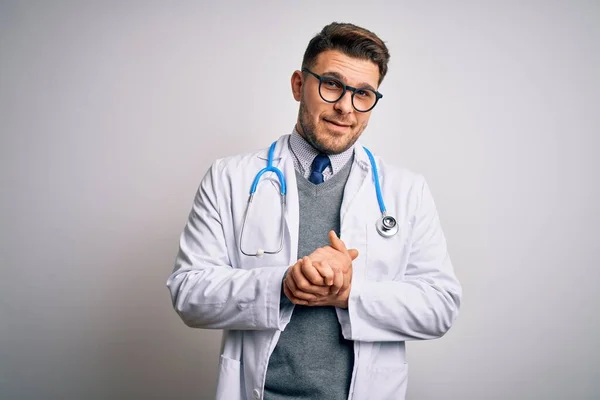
column 112, row 111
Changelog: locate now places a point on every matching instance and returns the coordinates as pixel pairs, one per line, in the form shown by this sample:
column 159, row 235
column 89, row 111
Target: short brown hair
column 351, row 40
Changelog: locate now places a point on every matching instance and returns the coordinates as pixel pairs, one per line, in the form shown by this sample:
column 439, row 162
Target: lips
column 340, row 124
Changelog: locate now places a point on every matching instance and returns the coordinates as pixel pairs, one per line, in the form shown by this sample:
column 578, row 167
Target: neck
column 299, row 130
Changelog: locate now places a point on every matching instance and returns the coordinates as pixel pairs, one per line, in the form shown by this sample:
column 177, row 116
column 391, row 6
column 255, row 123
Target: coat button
column 256, row 394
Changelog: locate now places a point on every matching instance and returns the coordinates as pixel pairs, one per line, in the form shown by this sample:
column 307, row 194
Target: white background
column 111, row 112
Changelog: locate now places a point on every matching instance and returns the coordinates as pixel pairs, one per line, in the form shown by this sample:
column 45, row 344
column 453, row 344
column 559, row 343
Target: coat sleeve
column 206, row 291
column 421, row 304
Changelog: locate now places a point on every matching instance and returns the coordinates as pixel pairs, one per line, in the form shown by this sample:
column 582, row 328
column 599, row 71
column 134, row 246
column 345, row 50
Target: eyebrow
column 338, row 76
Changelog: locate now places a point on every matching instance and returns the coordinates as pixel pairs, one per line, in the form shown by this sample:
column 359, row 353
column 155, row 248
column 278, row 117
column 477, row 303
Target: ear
column 297, row 82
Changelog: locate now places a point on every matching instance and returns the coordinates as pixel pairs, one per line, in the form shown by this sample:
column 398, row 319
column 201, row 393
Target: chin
column 333, row 144
column 327, row 140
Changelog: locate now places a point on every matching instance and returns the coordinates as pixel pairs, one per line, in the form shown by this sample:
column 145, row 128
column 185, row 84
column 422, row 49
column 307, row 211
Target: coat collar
column 281, row 149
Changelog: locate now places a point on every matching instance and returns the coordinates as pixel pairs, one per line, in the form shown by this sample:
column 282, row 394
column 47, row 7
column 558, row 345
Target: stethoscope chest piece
column 387, row 226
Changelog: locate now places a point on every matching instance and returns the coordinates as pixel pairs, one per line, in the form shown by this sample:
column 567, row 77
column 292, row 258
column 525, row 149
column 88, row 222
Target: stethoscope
column 386, row 226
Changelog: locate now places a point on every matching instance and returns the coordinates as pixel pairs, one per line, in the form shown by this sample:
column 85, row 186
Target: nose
column 344, row 105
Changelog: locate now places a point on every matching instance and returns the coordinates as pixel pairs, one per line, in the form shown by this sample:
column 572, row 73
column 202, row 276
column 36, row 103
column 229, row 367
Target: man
column 317, row 319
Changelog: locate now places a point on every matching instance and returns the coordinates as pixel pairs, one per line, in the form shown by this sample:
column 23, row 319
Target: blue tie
column 319, row 164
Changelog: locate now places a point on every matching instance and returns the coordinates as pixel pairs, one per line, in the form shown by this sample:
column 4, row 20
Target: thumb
column 353, row 253
column 336, row 242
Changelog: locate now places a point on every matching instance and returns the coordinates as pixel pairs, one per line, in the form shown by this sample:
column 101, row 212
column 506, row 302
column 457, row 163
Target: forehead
column 353, row 70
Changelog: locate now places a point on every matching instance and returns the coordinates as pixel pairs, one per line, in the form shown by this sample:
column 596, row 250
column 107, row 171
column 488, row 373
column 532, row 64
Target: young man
column 305, row 317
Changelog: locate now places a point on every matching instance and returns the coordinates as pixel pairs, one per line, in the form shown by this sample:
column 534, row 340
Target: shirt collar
column 304, row 154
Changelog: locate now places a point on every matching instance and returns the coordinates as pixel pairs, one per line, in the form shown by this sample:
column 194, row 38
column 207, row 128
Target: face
column 333, row 128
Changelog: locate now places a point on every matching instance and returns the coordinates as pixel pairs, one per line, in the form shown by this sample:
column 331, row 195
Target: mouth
column 338, row 124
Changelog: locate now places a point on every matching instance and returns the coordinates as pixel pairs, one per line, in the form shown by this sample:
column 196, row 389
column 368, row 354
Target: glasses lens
column 364, row 99
column 331, row 90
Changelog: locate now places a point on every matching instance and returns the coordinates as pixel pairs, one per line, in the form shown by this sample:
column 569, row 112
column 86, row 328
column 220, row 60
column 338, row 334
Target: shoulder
column 407, row 185
column 401, row 184
column 251, row 159
column 397, row 175
column 230, row 172
column 398, row 171
column 233, row 162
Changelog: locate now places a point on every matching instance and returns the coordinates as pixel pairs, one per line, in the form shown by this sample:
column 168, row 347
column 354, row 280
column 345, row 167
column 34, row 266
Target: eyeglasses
column 332, row 90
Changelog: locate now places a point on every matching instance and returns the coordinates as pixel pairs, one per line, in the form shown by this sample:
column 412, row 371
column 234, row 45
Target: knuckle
column 307, row 271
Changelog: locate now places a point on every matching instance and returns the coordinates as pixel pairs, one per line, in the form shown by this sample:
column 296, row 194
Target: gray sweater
column 312, row 360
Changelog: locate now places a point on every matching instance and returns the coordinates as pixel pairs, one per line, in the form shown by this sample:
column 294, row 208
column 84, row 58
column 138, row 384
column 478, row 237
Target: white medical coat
column 403, row 287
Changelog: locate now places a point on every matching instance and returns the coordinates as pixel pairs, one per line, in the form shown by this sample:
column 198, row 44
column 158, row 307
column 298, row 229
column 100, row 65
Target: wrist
column 343, row 297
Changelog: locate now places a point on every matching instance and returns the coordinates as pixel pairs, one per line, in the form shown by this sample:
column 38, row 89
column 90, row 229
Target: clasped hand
column 324, row 277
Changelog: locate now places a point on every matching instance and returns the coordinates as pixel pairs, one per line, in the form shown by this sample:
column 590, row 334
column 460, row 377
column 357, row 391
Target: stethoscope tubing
column 386, row 225
column 270, row 168
column 376, row 182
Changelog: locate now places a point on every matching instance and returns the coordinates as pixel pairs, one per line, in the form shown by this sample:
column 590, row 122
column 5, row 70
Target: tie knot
column 319, row 164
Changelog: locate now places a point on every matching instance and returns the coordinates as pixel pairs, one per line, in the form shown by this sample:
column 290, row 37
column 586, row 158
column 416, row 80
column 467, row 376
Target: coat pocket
column 387, row 256
column 385, row 383
column 229, row 383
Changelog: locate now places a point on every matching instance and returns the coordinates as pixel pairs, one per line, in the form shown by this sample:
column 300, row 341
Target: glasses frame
column 345, row 88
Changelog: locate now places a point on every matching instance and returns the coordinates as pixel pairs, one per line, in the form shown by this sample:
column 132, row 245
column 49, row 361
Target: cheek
column 362, row 121
column 316, row 114
column 310, row 107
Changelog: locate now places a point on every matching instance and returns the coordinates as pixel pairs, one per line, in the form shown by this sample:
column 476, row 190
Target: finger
column 298, row 293
column 318, row 303
column 322, row 253
column 334, row 258
column 299, row 280
column 353, row 254
column 347, row 280
column 312, row 274
column 336, row 242
column 338, row 283
column 286, row 291
column 326, row 272
column 290, row 295
column 327, row 253
column 302, row 284
column 319, row 290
